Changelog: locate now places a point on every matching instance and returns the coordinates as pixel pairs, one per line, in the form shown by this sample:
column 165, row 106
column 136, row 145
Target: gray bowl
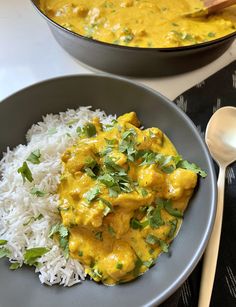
column 114, row 95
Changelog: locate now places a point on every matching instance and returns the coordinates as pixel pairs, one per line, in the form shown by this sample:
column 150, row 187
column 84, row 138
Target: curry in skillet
column 140, row 23
column 122, row 194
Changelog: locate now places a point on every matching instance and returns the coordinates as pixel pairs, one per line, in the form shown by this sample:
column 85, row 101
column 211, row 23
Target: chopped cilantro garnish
column 89, row 130
column 148, row 263
column 92, row 194
column 127, row 144
column 89, row 172
column 80, row 253
column 154, row 217
column 108, row 208
column 91, row 167
column 15, row 266
column 136, row 224
column 4, row 252
column 25, row 172
column 31, row 255
column 143, row 192
column 128, row 38
column 119, row 266
column 167, row 205
column 153, row 240
column 211, row 34
column 96, row 274
column 34, row 157
column 63, row 234
column 98, row 236
column 192, row 167
column 107, row 179
column 37, row 192
column 3, row 242
column 111, row 231
column 137, row 267
column 173, row 226
column 115, row 178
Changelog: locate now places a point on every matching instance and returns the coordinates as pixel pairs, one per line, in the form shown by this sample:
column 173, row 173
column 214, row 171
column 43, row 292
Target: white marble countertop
column 29, row 54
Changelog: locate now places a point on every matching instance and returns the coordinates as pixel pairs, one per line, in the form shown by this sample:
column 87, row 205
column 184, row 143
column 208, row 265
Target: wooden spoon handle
column 217, row 5
column 211, row 253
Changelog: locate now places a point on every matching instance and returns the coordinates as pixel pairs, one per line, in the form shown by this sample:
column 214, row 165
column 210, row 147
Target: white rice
column 18, row 206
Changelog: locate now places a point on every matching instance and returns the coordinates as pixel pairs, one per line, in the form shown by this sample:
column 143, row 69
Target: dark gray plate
column 114, row 95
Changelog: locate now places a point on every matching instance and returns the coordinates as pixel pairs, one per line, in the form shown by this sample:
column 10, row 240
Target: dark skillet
column 133, row 61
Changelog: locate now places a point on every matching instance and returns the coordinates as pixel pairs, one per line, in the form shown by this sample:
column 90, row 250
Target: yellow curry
column 140, row 23
column 122, row 194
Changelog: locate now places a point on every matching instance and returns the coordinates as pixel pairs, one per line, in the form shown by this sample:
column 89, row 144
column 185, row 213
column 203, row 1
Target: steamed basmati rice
column 20, row 211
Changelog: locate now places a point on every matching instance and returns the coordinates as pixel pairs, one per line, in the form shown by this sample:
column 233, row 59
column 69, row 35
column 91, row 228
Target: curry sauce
column 140, row 23
column 122, row 194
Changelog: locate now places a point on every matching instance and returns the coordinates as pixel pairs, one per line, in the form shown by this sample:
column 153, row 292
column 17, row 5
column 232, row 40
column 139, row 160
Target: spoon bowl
column 221, row 135
column 221, row 141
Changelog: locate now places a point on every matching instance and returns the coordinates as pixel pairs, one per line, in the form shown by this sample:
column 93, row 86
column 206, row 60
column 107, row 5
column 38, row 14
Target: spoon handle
column 217, row 5
column 211, row 253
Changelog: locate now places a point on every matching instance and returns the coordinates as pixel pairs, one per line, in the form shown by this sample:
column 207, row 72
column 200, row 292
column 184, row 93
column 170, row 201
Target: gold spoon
column 210, row 7
column 221, row 141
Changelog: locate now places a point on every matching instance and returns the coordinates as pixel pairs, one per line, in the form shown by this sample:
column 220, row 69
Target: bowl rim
column 177, row 283
column 130, row 48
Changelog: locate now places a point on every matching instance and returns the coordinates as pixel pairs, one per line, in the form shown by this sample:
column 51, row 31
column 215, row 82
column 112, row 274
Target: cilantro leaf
column 15, row 266
column 127, row 144
column 192, row 167
column 25, row 172
column 92, row 194
column 143, row 192
column 34, row 157
column 54, row 229
column 31, row 255
column 167, row 204
column 4, row 252
column 108, row 208
column 89, row 130
column 154, row 217
column 90, row 172
column 111, row 231
column 115, row 178
column 173, row 226
column 153, row 240
column 107, row 179
column 63, row 233
column 98, row 236
column 3, row 242
column 90, row 162
column 136, row 224
column 119, row 266
column 37, row 192
column 138, row 265
column 148, row 263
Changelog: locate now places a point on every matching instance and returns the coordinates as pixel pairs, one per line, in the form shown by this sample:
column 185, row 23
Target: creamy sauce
column 140, row 23
column 122, row 196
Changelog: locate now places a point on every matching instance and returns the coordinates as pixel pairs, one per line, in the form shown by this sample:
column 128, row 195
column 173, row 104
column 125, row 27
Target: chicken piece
column 76, row 159
column 121, row 261
column 130, row 118
column 179, row 181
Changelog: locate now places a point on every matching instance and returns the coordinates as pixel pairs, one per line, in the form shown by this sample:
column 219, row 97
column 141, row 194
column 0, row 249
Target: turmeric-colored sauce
column 122, row 194
column 140, row 23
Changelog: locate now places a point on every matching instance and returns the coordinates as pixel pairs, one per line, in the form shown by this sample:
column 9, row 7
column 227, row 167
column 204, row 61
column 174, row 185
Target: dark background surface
column 199, row 103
